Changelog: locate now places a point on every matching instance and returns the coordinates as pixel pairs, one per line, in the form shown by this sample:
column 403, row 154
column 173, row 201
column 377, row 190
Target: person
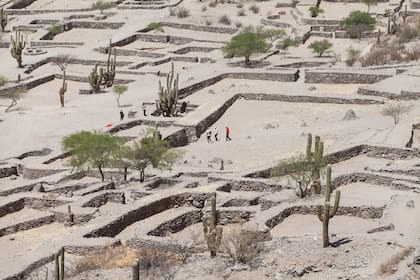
column 216, row 133
column 208, row 136
column 227, row 134
column 143, row 107
column 121, row 115
column 183, row 107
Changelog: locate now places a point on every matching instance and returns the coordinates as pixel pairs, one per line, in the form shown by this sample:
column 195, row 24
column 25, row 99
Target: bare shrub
column 241, row 13
column 254, row 8
column 182, row 12
column 408, row 33
column 377, row 56
column 413, row 53
column 240, row 6
column 238, row 24
column 3, row 81
column 213, row 4
column 208, row 22
column 395, row 110
column 172, row 12
column 241, row 245
column 391, row 265
column 204, row 8
column 224, row 19
column 185, row 247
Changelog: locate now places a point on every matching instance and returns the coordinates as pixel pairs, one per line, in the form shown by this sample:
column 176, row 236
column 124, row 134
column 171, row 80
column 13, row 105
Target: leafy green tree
column 118, row 91
column 102, row 5
column 320, row 47
column 244, row 45
column 271, row 35
column 358, row 22
column 155, row 26
column 286, row 43
column 315, row 11
column 93, row 150
column 297, row 169
column 150, row 151
column 370, row 3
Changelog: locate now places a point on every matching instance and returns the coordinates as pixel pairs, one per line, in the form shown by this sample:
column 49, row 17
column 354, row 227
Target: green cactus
column 316, row 159
column 3, row 19
column 168, row 97
column 59, row 265
column 136, row 275
column 325, row 215
column 109, row 71
column 212, row 233
column 18, row 44
column 95, row 79
column 63, row 89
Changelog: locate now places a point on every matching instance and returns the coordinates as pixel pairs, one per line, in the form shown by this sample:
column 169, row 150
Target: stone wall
column 204, row 28
column 346, row 35
column 11, row 207
column 194, row 49
column 35, row 12
column 32, row 173
column 319, row 21
column 27, row 225
column 364, row 212
column 95, row 25
column 4, row 44
column 372, row 179
column 177, row 224
column 8, row 171
column 415, row 4
column 21, row 4
column 344, row 77
column 102, row 199
column 275, row 23
column 124, row 52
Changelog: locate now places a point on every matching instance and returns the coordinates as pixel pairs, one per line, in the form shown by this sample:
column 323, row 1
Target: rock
column 13, row 177
column 240, row 267
column 38, row 188
column 312, row 88
column 350, row 115
column 281, row 276
column 303, row 124
column 197, row 204
column 229, row 162
column 410, row 204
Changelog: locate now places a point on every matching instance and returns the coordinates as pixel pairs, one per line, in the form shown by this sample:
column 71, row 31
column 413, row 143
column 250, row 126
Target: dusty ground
column 163, row 210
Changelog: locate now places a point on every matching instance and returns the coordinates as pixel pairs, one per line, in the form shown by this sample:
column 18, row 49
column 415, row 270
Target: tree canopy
column 150, row 151
column 93, row 150
column 370, row 3
column 358, row 22
column 244, row 45
column 286, row 43
column 320, row 47
column 118, row 91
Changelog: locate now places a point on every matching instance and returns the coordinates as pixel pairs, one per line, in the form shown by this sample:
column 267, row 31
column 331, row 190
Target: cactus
column 3, row 19
column 394, row 26
column 168, row 97
column 59, row 265
column 379, row 37
column 325, row 215
column 405, row 14
column 212, row 233
column 95, row 79
column 63, row 89
column 316, row 159
column 18, row 44
column 136, row 275
column 109, row 72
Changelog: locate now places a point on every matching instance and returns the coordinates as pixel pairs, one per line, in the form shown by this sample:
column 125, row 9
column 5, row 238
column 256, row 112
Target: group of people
column 215, row 134
column 143, row 107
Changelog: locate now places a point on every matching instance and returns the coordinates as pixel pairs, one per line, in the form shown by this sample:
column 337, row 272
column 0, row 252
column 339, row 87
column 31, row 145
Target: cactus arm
column 336, row 203
column 309, row 147
column 319, row 212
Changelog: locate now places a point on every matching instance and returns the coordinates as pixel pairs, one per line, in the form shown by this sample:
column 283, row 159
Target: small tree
column 62, row 61
column 370, row 3
column 286, row 43
column 14, row 95
column 3, row 19
column 150, row 151
column 395, row 110
column 3, row 81
column 320, row 47
column 315, row 11
column 297, row 169
column 93, row 150
column 358, row 22
column 271, row 35
column 245, row 45
column 118, row 91
column 101, row 5
column 155, row 26
column 352, row 56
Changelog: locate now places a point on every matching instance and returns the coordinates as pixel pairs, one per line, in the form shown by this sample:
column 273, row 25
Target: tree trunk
column 102, row 173
column 125, row 173
column 247, row 60
column 141, row 175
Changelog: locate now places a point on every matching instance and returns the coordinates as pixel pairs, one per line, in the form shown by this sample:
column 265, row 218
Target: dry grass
column 224, row 19
column 391, row 266
column 154, row 263
column 213, row 4
column 241, row 13
column 182, row 12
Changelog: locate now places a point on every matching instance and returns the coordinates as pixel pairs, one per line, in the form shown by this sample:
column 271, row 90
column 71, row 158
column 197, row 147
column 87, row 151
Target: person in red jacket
column 227, row 134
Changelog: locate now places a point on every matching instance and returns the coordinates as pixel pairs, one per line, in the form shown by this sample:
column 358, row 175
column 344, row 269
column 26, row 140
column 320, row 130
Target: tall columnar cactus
column 18, row 45
column 405, row 14
column 96, row 78
column 212, row 233
column 109, row 71
column 327, row 213
column 136, row 275
column 168, row 97
column 3, row 19
column 59, row 265
column 316, row 159
column 63, row 89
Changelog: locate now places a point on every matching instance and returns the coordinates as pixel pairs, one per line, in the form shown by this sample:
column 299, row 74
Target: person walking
column 216, row 134
column 121, row 115
column 227, row 134
column 208, row 133
column 143, row 107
